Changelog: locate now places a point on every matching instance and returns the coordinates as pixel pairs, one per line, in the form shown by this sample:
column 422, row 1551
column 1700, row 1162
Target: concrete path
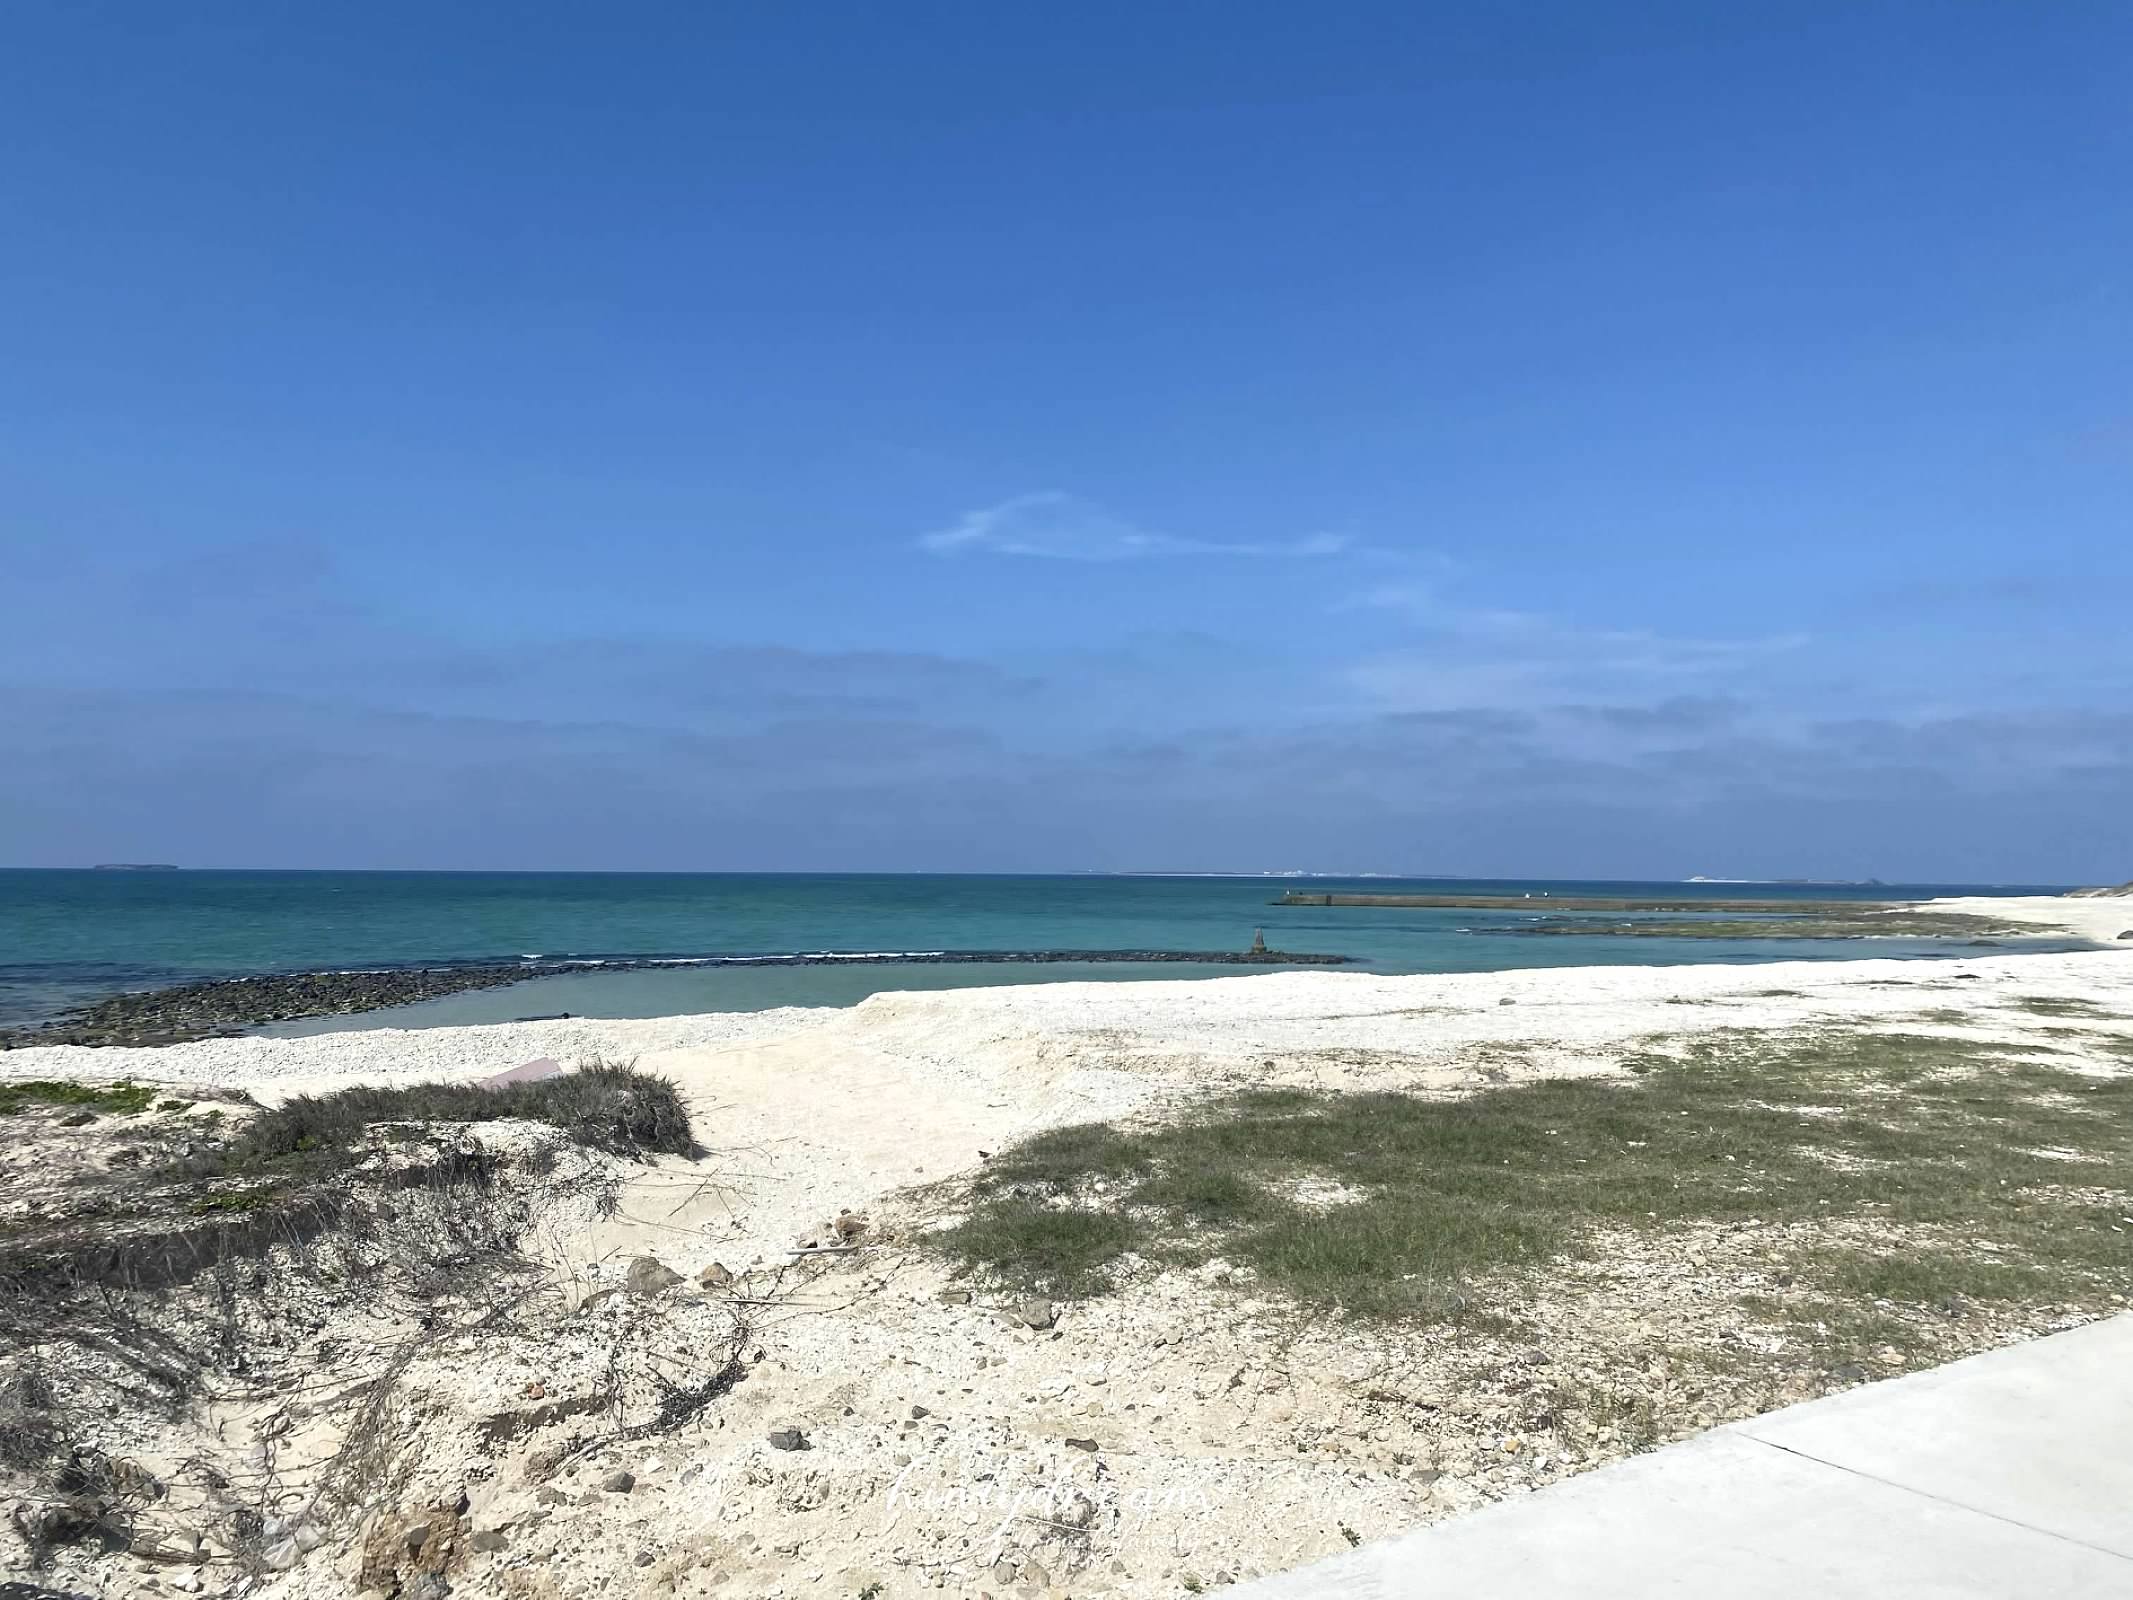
column 2006, row 1475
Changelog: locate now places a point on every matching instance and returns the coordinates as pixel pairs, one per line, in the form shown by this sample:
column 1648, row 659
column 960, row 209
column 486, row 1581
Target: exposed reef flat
column 1875, row 925
column 1512, row 902
column 1666, row 917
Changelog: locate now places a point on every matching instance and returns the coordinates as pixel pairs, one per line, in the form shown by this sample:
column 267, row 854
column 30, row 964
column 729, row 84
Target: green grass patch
column 1918, row 1132
column 118, row 1099
column 607, row 1107
column 1051, row 1248
column 1922, row 1277
column 1855, row 1331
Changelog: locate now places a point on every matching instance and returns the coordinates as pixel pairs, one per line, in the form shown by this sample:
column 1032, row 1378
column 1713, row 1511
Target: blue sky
column 1542, row 439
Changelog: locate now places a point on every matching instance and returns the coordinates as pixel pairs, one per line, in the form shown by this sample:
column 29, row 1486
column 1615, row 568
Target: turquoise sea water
column 71, row 936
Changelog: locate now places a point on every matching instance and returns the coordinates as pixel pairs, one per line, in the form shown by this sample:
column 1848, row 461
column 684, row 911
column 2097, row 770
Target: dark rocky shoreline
column 226, row 1007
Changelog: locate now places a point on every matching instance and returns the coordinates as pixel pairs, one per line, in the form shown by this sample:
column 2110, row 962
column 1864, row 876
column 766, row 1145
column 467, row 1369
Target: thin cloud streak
column 1061, row 527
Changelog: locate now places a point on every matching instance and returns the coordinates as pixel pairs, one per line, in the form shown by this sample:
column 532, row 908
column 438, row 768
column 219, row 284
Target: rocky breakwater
column 228, row 1006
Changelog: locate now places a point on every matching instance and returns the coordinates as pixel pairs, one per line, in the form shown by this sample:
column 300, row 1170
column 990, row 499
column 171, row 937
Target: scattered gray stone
column 918, row 1412
column 1850, row 1372
column 715, row 1276
column 788, row 1439
column 417, row 1535
column 954, row 1297
column 281, row 1555
column 619, row 1482
column 428, row 1586
column 644, row 1558
column 1034, row 1574
column 1507, row 1001
column 1036, row 1311
column 648, row 1275
column 1081, row 1444
column 489, row 1539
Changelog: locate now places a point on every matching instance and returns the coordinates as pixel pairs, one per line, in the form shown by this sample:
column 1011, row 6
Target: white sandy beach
column 2106, row 918
column 1220, row 1436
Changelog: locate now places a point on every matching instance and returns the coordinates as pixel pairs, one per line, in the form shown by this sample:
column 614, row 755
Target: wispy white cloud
column 1064, row 527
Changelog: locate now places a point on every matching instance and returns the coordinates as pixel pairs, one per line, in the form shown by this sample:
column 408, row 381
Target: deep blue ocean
column 72, row 936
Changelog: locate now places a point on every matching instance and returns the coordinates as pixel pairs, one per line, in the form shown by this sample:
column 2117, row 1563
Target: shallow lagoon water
column 74, row 936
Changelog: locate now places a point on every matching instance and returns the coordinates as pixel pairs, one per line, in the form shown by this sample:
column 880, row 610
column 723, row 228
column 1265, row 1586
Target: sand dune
column 1182, row 1429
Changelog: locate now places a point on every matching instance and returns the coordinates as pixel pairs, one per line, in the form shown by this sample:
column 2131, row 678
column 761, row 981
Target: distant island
column 134, row 866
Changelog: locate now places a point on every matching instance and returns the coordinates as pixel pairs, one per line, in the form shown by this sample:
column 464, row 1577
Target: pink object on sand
column 528, row 1072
